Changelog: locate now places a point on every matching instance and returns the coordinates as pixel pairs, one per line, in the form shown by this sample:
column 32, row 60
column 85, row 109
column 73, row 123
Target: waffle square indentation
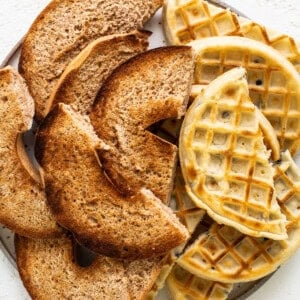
column 259, row 195
column 275, row 101
column 229, row 264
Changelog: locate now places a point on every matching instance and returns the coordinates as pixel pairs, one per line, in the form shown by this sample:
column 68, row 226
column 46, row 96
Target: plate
column 157, row 39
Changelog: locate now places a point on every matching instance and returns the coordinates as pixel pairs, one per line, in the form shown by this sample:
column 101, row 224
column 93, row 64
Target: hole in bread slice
column 84, row 257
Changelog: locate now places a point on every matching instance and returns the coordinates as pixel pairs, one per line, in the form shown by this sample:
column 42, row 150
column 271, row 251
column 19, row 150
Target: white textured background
column 15, row 18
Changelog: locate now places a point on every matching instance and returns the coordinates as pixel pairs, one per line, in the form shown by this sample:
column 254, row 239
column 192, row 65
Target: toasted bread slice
column 22, row 200
column 151, row 86
column 66, row 27
column 49, row 271
column 53, row 265
column 84, row 200
column 84, row 76
column 142, row 275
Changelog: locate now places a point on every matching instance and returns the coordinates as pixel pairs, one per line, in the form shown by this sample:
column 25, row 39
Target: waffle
column 287, row 186
column 184, row 285
column 274, row 85
column 188, row 20
column 270, row 138
column 225, row 162
column 223, row 253
column 188, row 213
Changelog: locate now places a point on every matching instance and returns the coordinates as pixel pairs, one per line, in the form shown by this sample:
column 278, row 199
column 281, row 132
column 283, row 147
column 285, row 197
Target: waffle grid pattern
column 196, row 19
column 225, row 254
column 184, row 285
column 227, row 143
column 188, row 213
column 287, row 185
column 268, row 87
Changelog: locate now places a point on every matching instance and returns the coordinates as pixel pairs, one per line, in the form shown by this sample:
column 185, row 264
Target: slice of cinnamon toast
column 64, row 28
column 84, row 76
column 151, row 86
column 84, row 201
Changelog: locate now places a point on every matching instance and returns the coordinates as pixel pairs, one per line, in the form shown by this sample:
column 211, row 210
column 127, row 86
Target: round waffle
column 224, row 254
column 274, row 84
column 184, row 285
column 188, row 20
column 225, row 162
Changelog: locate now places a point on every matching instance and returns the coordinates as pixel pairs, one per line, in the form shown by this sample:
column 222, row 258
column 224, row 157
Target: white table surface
column 15, row 18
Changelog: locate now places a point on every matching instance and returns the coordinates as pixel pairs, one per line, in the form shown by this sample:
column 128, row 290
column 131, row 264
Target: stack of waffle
column 236, row 145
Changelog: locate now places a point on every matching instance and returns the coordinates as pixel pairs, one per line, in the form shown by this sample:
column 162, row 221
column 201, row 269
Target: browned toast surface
column 66, row 27
column 84, row 76
column 49, row 271
column 23, row 206
column 142, row 275
column 84, row 200
column 151, row 86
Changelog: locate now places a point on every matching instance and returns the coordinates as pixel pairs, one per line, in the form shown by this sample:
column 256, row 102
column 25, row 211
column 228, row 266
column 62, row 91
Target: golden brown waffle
column 223, row 253
column 188, row 20
column 184, row 285
column 188, row 213
column 274, row 84
column 225, row 162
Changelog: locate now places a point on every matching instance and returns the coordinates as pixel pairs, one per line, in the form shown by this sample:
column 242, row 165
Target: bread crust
column 84, row 76
column 63, row 29
column 23, row 206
